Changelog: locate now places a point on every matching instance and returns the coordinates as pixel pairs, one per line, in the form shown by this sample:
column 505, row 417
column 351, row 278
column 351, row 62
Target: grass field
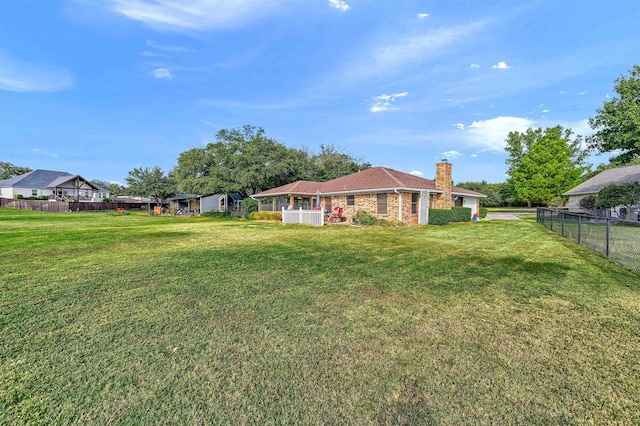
column 132, row 319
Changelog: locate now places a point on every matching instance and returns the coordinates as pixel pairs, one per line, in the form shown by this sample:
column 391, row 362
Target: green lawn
column 130, row 319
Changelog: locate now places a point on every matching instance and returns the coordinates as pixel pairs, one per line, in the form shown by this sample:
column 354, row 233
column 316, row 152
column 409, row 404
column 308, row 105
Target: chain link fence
column 614, row 238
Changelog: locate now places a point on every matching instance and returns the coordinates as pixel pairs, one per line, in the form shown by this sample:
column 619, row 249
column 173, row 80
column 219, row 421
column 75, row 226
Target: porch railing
column 305, row 217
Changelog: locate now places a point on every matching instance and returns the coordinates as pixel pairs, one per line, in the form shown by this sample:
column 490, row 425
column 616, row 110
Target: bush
column 442, row 217
column 216, row 214
column 365, row 218
column 483, row 212
column 461, row 214
column 18, row 197
column 265, row 215
column 249, row 205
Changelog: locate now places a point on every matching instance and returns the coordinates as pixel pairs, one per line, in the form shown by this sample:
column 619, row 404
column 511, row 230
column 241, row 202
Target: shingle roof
column 41, row 179
column 373, row 179
column 611, row 176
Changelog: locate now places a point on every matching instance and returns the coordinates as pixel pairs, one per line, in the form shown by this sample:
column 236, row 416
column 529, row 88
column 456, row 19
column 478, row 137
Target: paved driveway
column 509, row 215
column 502, row 216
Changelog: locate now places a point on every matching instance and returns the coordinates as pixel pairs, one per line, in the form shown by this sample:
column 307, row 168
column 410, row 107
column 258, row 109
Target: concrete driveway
column 508, row 215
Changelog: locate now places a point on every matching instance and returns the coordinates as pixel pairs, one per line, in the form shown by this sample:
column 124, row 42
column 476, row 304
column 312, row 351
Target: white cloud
column 151, row 54
column 459, row 126
column 190, row 15
column 339, row 4
column 501, row 66
column 162, row 73
column 384, row 102
column 416, row 173
column 545, row 110
column 167, row 48
column 390, row 54
column 20, row 76
column 475, row 65
column 581, row 93
column 451, row 154
column 490, row 134
column 422, row 15
column 43, row 152
column 474, row 156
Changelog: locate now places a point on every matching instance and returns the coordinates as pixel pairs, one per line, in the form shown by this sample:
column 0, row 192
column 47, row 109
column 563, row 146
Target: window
column 414, row 202
column 351, row 200
column 382, row 203
column 327, row 203
column 34, row 192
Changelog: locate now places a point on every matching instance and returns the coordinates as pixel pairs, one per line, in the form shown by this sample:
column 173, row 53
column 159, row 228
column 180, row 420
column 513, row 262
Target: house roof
column 41, row 179
column 610, row 176
column 374, row 179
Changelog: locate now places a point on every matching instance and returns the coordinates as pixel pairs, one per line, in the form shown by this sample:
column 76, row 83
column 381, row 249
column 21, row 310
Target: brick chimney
column 444, row 182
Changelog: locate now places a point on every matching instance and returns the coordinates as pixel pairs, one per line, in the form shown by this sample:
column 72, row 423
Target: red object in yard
column 337, row 216
column 121, row 209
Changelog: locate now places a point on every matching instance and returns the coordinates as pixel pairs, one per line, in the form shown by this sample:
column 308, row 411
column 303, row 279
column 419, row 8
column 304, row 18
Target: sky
column 100, row 87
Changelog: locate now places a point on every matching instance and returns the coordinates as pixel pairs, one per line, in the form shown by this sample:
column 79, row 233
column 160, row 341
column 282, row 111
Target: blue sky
column 99, row 87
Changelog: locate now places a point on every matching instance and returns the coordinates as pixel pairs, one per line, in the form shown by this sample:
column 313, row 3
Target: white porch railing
column 305, row 217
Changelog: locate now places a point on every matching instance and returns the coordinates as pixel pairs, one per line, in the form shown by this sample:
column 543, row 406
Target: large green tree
column 246, row 161
column 617, row 123
column 153, row 183
column 329, row 164
column 545, row 163
column 242, row 160
column 8, row 170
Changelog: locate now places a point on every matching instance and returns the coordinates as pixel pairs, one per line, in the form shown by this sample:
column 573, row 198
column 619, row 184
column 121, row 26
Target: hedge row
column 456, row 214
column 265, row 216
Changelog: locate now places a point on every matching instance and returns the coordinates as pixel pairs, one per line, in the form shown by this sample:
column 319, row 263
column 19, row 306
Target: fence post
column 579, row 227
column 322, row 217
column 300, row 215
column 284, row 220
column 562, row 219
column 607, row 236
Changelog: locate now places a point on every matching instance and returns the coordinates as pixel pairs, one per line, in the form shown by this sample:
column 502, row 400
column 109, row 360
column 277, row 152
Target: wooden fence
column 64, row 206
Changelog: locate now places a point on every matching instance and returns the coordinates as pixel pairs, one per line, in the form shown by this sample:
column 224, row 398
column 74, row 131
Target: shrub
column 216, row 214
column 483, row 212
column 365, row 218
column 249, row 205
column 461, row 214
column 442, row 217
column 265, row 215
column 18, row 197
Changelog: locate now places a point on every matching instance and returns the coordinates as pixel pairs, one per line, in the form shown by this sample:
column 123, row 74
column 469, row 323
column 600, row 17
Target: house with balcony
column 52, row 185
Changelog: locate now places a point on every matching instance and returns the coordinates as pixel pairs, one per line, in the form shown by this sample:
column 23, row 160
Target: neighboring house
column 185, row 203
column 60, row 186
column 592, row 186
column 382, row 192
column 220, row 203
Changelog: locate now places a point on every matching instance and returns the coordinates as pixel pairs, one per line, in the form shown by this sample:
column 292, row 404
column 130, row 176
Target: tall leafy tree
column 8, row 170
column 329, row 164
column 242, row 160
column 617, row 123
column 545, row 163
column 145, row 182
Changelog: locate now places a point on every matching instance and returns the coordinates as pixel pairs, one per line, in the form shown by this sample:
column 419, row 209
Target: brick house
column 382, row 192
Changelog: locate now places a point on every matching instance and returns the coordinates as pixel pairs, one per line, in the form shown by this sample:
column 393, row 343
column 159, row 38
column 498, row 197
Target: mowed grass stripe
column 136, row 319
